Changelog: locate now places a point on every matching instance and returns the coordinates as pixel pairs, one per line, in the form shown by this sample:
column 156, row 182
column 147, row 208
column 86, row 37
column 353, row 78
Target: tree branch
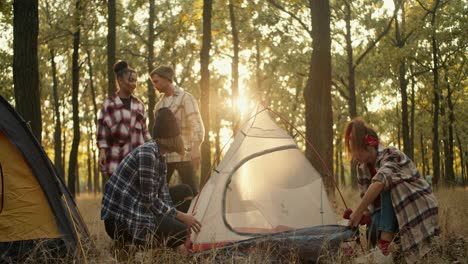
column 381, row 35
column 133, row 53
column 138, row 35
column 275, row 4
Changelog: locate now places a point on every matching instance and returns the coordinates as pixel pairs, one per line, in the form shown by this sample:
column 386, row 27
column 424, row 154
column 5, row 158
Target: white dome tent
column 263, row 185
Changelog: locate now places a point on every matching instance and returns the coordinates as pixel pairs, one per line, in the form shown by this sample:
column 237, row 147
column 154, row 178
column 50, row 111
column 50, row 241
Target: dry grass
column 450, row 247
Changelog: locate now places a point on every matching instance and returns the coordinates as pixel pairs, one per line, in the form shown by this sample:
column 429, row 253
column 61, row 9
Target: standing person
column 394, row 194
column 136, row 205
column 185, row 108
column 121, row 124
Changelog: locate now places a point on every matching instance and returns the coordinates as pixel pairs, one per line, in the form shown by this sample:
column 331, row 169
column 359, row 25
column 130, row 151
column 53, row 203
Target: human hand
column 102, row 158
column 190, row 221
column 365, row 218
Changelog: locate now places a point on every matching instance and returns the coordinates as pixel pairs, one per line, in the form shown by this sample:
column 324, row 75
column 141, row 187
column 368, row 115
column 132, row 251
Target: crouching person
column 136, row 206
column 394, row 194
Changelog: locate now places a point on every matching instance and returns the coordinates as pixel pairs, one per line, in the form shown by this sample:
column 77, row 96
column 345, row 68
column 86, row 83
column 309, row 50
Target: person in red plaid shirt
column 398, row 199
column 121, row 124
column 137, row 205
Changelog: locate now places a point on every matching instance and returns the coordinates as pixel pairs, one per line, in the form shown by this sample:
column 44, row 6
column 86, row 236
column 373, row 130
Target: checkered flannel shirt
column 137, row 190
column 415, row 206
column 119, row 130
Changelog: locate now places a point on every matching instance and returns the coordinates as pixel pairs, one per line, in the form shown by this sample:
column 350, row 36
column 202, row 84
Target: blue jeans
column 383, row 219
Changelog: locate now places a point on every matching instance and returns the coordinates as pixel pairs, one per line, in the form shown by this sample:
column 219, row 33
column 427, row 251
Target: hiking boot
column 375, row 256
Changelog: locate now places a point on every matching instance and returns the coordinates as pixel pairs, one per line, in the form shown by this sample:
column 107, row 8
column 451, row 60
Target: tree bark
column 72, row 168
column 350, row 64
column 25, row 63
column 400, row 41
column 436, row 99
column 150, row 64
column 317, row 94
column 423, row 156
column 95, row 113
column 64, row 138
column 462, row 161
column 235, row 67
column 205, row 87
column 413, row 110
column 258, row 72
column 89, row 184
column 111, row 45
column 58, row 123
column 448, row 141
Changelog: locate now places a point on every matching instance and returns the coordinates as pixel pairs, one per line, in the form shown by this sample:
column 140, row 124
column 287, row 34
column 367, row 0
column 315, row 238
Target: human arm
column 103, row 136
column 372, row 192
column 149, row 174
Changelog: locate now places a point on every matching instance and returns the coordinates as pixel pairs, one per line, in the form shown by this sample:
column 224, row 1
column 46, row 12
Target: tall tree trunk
column 258, row 71
column 352, row 104
column 462, row 161
column 72, row 167
column 413, row 110
column 350, row 64
column 317, row 94
column 64, row 137
column 205, row 87
column 400, row 41
column 342, row 169
column 58, row 123
column 423, row 156
column 449, row 171
column 436, row 99
column 111, row 45
column 399, row 127
column 217, row 129
column 404, row 110
column 337, row 160
column 294, row 108
column 235, row 66
column 151, row 39
column 89, row 184
column 25, row 63
column 77, row 180
column 95, row 110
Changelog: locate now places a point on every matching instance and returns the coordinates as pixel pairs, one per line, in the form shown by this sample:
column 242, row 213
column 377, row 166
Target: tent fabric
column 264, row 185
column 58, row 199
column 26, row 213
column 307, row 244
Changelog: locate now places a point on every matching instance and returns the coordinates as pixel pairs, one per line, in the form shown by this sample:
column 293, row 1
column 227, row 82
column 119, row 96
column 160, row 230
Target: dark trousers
column 186, row 173
column 168, row 231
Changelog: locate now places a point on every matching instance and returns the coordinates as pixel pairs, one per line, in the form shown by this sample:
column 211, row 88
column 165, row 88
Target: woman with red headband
column 398, row 199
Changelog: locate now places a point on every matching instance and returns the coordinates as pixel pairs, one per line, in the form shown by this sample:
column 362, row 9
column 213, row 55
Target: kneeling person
column 136, row 205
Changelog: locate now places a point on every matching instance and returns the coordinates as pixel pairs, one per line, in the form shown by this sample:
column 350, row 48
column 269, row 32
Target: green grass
column 450, row 247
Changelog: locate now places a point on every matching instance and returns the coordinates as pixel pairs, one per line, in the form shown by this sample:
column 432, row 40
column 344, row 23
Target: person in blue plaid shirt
column 137, row 206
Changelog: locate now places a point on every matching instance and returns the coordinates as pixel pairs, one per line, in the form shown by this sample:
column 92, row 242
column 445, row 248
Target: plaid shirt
column 185, row 108
column 137, row 190
column 119, row 130
column 414, row 204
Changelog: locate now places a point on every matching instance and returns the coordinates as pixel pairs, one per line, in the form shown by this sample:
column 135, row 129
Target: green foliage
column 275, row 52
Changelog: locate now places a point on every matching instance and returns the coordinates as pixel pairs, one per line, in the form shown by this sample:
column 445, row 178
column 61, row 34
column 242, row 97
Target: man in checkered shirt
column 137, row 206
column 185, row 108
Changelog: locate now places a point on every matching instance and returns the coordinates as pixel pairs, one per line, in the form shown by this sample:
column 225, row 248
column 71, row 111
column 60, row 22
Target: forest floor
column 450, row 247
